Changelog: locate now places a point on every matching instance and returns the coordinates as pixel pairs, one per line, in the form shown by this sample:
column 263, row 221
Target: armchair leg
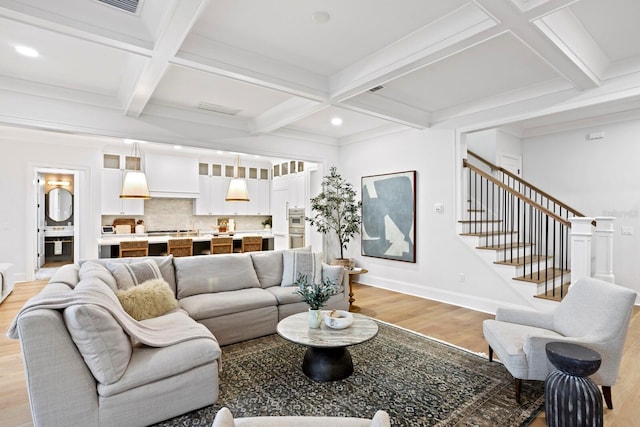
column 490, row 354
column 606, row 391
column 518, row 388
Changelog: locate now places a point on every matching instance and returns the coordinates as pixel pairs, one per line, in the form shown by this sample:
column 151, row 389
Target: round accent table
column 327, row 357
column 352, row 307
column 572, row 399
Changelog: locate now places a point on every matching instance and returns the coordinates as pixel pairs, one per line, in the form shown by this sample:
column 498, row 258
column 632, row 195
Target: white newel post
column 580, row 248
column 604, row 249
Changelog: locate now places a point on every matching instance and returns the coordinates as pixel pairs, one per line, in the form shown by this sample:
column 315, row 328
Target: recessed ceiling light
column 336, row 121
column 320, row 17
column 177, row 147
column 27, row 51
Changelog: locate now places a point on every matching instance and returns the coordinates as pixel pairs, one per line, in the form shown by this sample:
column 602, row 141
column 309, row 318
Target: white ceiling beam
column 285, row 113
column 176, row 29
column 384, row 108
column 518, row 24
column 435, row 41
column 204, row 54
column 568, row 33
column 60, row 24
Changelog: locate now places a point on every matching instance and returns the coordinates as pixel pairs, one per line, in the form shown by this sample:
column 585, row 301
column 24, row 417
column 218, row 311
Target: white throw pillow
column 301, row 262
column 129, row 275
column 334, row 272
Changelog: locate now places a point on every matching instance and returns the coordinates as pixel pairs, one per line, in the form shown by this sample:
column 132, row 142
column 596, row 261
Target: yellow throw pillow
column 152, row 298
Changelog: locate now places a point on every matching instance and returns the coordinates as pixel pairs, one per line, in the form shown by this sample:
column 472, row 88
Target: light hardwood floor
column 455, row 325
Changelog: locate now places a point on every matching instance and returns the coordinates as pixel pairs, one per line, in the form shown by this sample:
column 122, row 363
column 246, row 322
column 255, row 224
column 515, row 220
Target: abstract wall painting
column 389, row 216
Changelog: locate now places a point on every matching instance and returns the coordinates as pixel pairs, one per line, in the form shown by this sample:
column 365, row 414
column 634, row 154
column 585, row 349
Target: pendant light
column 237, row 191
column 135, row 184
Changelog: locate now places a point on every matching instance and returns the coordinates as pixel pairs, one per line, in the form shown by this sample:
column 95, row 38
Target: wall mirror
column 60, row 204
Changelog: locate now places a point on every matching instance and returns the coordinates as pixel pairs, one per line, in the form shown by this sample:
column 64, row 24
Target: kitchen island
column 109, row 244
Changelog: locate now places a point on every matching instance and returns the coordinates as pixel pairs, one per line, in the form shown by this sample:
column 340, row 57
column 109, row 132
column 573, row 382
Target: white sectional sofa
column 103, row 379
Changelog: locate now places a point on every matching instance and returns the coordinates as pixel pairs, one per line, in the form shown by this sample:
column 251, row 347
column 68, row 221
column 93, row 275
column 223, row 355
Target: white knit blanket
column 94, row 291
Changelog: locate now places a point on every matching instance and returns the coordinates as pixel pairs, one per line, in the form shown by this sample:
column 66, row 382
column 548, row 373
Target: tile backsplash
column 177, row 214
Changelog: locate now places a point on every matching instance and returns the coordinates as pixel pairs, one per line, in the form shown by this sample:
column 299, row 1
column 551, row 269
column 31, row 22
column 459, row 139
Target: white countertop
column 115, row 239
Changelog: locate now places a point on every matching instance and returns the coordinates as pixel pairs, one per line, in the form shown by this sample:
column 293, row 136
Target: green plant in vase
column 315, row 295
column 337, row 211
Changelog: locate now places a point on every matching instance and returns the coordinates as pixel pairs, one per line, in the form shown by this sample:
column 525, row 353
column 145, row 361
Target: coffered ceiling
column 238, row 68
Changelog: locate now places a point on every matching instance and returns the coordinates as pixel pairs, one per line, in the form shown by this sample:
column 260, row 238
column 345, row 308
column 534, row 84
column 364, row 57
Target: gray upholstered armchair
column 594, row 314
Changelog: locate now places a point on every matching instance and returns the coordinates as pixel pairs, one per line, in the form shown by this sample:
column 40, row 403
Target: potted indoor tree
column 336, row 211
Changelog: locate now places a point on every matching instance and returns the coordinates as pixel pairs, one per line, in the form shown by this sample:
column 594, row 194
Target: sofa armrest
column 539, row 319
column 52, row 363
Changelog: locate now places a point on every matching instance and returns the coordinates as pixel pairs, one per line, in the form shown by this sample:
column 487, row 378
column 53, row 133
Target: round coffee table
column 327, row 357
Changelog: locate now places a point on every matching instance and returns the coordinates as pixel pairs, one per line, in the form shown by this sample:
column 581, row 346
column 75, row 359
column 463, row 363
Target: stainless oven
column 296, row 227
column 296, row 218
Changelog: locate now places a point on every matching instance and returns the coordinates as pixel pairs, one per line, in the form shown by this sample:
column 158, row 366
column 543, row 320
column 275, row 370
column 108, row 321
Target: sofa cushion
column 205, row 306
column 103, row 344
column 333, row 272
column 268, row 266
column 164, row 263
column 67, row 274
column 301, row 262
column 151, row 364
column 152, row 298
column 214, row 273
column 93, row 269
column 224, row 418
column 129, row 275
column 285, row 294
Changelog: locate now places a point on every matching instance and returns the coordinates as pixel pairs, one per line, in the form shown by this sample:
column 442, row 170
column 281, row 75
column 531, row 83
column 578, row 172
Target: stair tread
column 504, row 246
column 518, row 262
column 554, row 296
column 542, row 276
column 468, row 221
column 488, row 233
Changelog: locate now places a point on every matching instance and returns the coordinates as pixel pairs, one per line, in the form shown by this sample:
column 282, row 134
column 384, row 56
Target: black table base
column 572, row 399
column 327, row 364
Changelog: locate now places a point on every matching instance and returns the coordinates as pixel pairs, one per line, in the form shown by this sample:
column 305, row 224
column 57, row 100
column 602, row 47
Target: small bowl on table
column 338, row 319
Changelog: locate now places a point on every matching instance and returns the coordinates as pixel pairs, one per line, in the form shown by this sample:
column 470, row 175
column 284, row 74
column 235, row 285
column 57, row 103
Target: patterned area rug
column 417, row 380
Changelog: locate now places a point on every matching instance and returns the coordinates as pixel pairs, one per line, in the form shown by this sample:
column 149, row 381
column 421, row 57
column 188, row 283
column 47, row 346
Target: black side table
column 572, row 399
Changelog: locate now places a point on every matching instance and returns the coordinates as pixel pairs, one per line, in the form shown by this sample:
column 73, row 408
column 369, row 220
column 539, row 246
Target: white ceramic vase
column 315, row 318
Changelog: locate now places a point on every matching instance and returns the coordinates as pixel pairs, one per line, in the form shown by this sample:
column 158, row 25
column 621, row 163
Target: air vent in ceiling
column 218, row 108
column 130, row 6
column 376, row 88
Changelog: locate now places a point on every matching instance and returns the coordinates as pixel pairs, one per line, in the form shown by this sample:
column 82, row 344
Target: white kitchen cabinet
column 203, row 204
column 213, row 190
column 172, row 176
column 297, row 190
column 112, row 204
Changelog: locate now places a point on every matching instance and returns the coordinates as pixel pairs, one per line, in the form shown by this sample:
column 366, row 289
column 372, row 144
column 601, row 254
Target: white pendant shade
column 237, row 191
column 135, row 186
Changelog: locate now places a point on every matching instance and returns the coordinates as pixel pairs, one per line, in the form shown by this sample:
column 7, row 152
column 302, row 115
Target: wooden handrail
column 505, row 187
column 533, row 187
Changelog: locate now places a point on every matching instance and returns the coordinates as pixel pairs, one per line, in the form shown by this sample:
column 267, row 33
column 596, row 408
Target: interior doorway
column 57, row 219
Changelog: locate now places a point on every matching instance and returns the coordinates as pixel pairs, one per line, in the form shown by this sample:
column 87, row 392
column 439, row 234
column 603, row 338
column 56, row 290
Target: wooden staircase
column 527, row 266
column 523, row 228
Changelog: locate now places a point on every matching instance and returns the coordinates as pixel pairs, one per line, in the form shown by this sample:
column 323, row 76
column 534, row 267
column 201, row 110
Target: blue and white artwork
column 389, row 216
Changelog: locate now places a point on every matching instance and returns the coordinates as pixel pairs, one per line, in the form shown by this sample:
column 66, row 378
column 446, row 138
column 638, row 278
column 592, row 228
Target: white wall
column 440, row 252
column 598, row 178
column 22, row 152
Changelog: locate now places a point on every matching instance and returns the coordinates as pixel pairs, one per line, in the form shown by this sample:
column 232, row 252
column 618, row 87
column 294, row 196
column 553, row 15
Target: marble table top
column 296, row 329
